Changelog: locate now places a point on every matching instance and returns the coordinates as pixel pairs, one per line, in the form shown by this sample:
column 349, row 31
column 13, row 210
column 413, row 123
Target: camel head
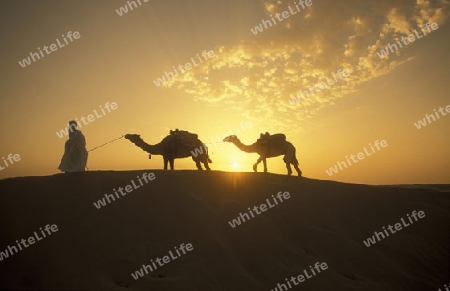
column 133, row 137
column 137, row 140
column 231, row 138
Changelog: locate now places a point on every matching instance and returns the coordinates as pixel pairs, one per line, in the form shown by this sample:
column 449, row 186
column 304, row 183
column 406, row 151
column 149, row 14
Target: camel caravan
column 183, row 144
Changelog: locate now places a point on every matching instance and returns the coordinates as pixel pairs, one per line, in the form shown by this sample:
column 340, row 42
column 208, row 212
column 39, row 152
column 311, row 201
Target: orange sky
column 250, row 80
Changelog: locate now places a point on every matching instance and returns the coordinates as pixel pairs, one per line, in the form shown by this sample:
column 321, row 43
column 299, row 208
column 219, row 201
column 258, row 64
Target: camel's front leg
column 255, row 165
column 207, row 166
column 199, row 166
column 289, row 169
column 265, row 165
column 171, row 161
column 298, row 170
column 165, row 162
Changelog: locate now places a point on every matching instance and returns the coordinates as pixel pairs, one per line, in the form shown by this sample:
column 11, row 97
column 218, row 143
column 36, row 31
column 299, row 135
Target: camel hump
column 272, row 137
column 182, row 136
column 278, row 136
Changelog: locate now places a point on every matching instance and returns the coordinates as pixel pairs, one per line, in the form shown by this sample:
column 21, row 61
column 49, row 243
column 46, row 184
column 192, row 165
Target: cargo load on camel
column 271, row 137
column 183, row 136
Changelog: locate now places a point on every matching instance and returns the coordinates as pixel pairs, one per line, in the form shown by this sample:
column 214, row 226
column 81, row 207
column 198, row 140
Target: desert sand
column 323, row 221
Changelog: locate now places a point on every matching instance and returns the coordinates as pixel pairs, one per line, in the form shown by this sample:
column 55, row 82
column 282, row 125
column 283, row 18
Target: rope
column 106, row 143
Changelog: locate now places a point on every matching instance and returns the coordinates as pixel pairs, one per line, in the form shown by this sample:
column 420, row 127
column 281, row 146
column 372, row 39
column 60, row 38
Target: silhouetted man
column 75, row 153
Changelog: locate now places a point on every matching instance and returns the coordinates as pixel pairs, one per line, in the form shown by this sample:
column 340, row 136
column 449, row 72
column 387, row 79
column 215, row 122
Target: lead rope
column 104, row 145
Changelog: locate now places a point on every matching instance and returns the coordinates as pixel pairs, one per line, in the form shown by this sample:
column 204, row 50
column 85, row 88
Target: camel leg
column 265, row 165
column 299, row 172
column 199, row 166
column 206, row 165
column 165, row 163
column 288, row 167
column 171, row 163
column 255, row 165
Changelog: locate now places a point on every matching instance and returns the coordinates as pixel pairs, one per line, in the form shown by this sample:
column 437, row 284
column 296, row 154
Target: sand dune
column 322, row 221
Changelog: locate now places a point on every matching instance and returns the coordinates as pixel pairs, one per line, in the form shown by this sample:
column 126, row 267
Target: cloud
column 259, row 75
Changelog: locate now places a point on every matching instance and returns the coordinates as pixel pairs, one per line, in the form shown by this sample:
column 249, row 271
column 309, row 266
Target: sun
column 235, row 166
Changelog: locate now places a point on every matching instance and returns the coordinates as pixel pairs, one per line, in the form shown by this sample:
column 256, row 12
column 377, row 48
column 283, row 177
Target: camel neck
column 243, row 147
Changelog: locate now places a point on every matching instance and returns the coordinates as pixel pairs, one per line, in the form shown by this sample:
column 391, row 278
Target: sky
column 250, row 80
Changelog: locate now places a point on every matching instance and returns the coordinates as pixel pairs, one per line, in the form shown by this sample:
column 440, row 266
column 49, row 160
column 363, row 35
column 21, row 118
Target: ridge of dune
column 322, row 221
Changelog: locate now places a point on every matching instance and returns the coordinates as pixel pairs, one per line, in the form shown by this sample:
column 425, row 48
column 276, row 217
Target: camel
column 269, row 146
column 175, row 146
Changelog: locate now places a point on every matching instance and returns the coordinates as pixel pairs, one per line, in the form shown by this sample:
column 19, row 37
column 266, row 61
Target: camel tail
column 207, row 155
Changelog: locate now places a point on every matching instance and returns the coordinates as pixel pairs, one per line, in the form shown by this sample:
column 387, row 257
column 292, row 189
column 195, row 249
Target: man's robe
column 75, row 153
